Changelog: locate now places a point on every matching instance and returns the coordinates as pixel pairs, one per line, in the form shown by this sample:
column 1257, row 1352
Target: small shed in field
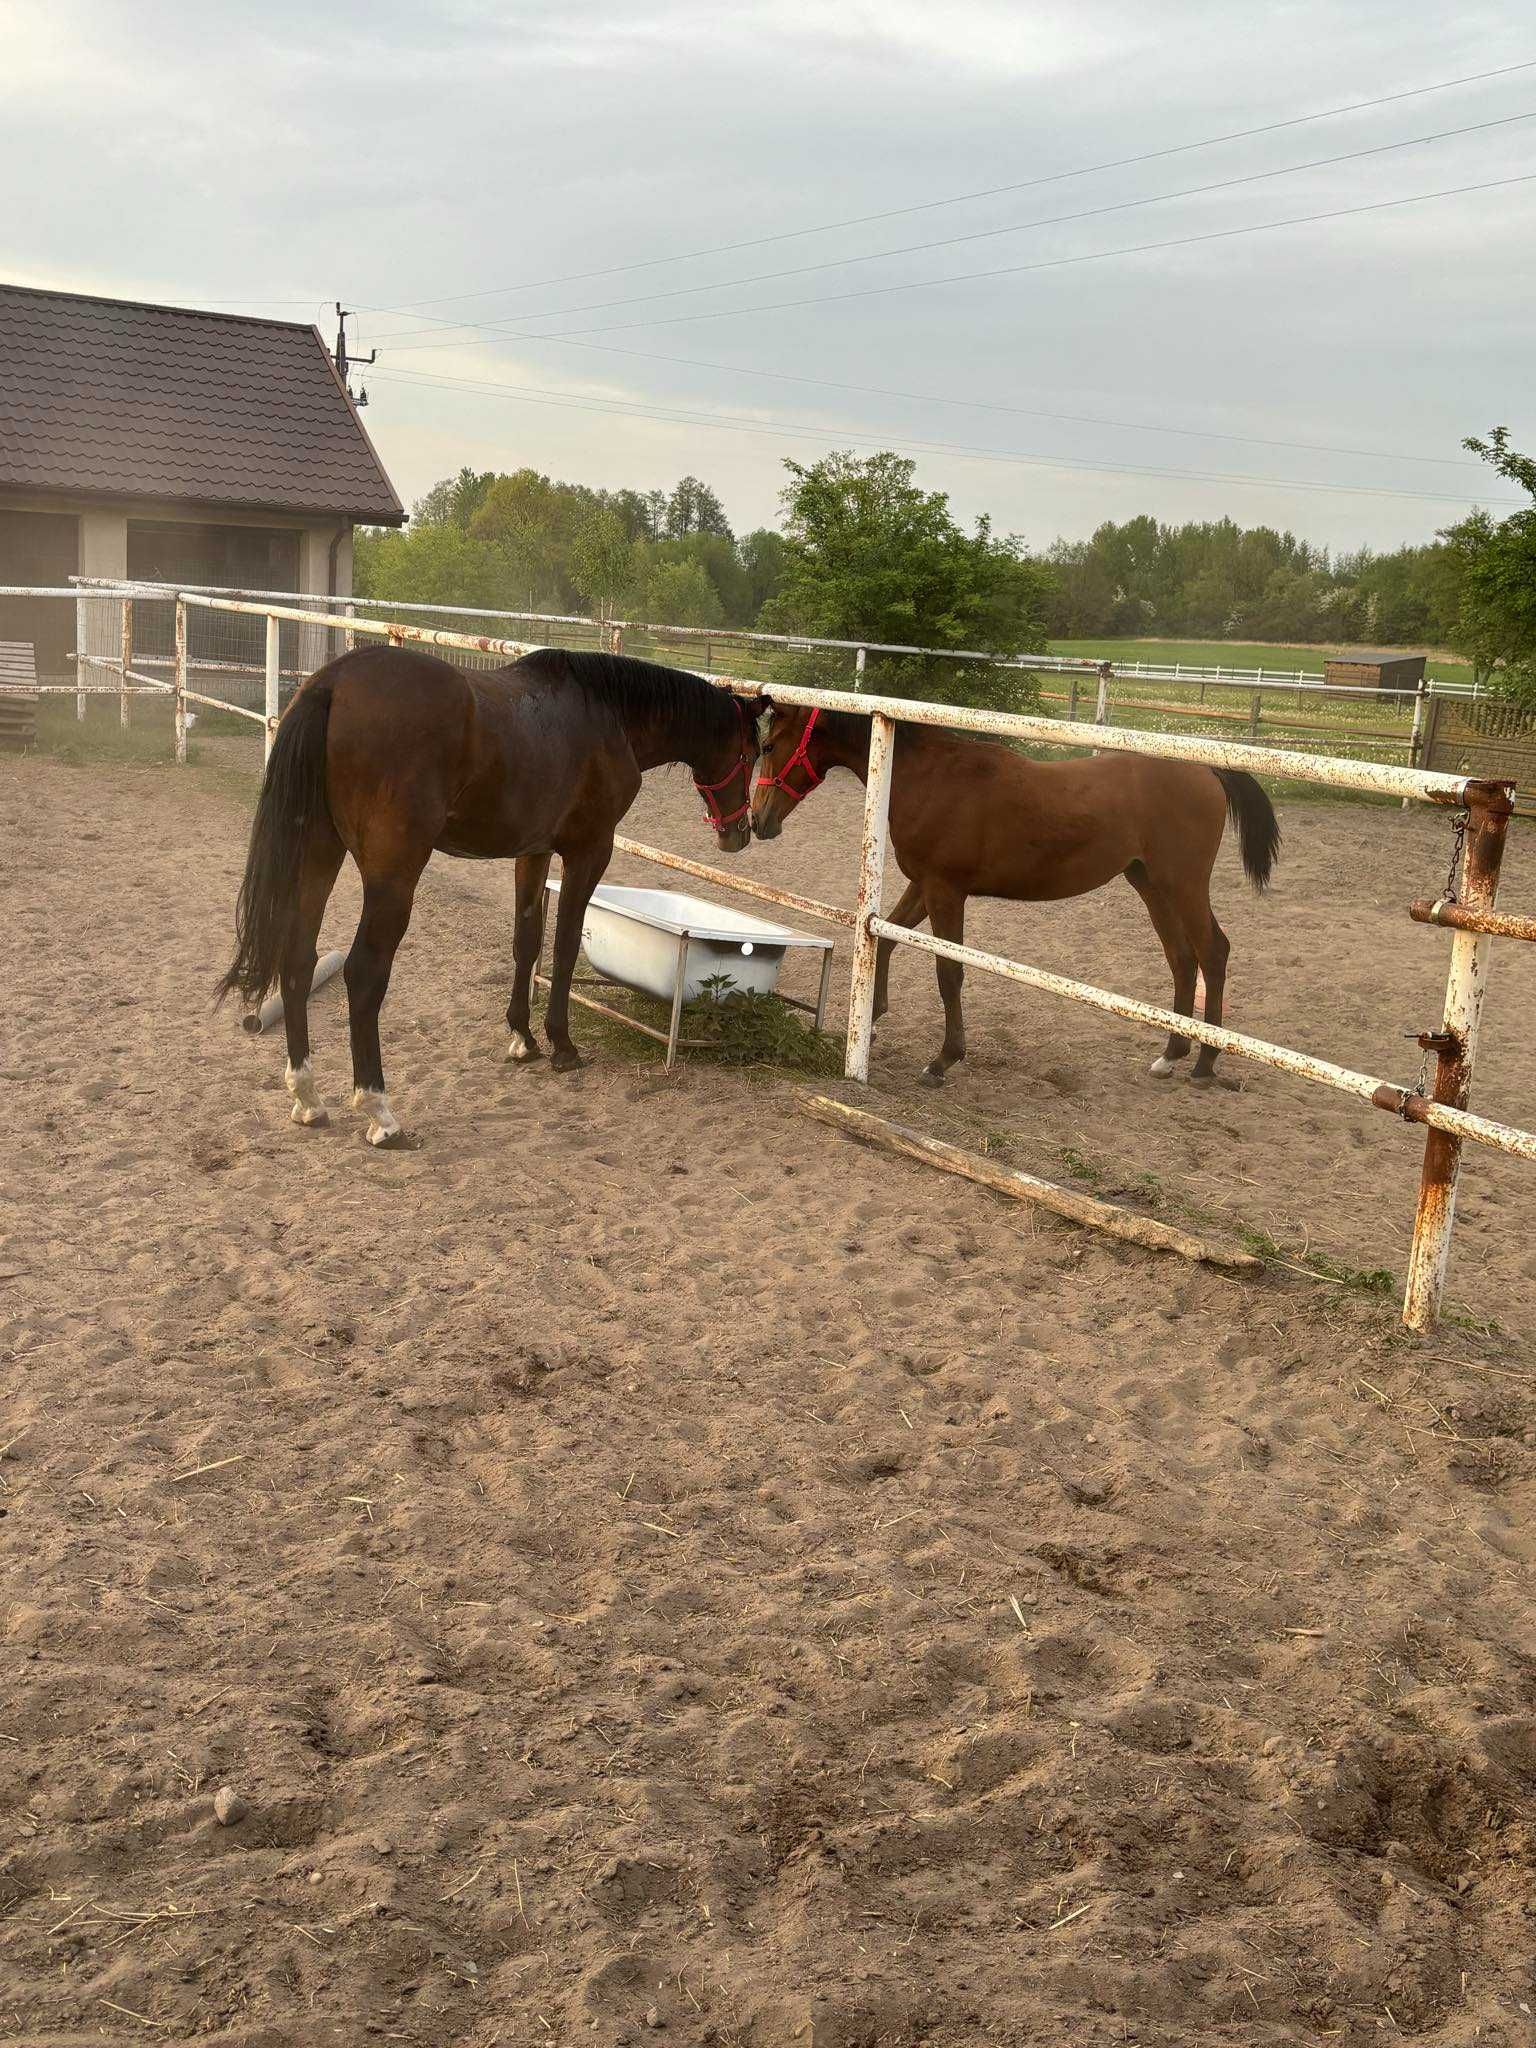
column 1389, row 669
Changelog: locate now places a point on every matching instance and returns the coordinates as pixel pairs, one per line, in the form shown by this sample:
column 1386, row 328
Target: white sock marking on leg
column 383, row 1124
column 300, row 1083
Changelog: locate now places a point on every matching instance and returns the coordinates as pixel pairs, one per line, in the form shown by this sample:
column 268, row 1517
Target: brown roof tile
column 124, row 400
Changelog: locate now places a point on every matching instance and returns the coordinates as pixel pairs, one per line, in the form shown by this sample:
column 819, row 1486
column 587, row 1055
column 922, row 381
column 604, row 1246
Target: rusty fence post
column 877, row 810
column 179, row 698
column 273, row 679
column 1455, row 1045
column 125, row 658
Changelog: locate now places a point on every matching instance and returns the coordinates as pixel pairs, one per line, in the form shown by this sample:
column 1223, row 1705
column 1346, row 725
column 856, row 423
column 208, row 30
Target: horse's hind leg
column 387, row 899
column 527, row 943
column 946, row 914
column 581, row 870
column 322, row 858
column 1211, row 944
column 1182, row 963
column 910, row 910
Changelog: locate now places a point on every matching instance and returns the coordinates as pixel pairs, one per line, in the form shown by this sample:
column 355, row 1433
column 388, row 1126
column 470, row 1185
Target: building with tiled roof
column 170, row 445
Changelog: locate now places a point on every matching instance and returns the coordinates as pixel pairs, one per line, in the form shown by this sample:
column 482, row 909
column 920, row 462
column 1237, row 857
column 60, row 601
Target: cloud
column 389, row 154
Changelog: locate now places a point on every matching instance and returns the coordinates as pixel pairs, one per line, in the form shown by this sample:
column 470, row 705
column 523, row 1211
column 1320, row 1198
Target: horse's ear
column 760, row 706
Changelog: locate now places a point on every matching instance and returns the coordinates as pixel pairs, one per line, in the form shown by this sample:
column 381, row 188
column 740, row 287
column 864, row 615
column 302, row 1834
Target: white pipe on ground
column 271, row 1010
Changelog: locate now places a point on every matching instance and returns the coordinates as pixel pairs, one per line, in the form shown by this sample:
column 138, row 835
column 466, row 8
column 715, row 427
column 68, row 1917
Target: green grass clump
column 743, row 1028
column 1361, row 1279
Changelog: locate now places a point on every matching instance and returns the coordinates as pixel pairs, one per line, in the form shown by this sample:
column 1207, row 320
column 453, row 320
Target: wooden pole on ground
column 1024, row 1187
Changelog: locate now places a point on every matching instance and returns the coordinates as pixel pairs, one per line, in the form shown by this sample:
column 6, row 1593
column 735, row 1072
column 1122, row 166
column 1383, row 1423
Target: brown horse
column 388, row 755
column 974, row 818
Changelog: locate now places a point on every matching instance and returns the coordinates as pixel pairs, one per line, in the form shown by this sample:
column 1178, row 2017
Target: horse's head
column 722, row 774
column 793, row 762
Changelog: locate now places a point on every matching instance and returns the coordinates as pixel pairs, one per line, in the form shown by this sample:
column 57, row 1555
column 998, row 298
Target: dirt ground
column 647, row 1564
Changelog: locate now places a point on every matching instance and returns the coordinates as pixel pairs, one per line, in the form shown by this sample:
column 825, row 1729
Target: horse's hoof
column 383, row 1138
column 522, row 1049
column 566, row 1061
column 310, row 1114
column 931, row 1077
column 1162, row 1066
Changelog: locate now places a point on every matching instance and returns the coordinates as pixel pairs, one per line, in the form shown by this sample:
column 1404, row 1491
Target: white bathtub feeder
column 662, row 943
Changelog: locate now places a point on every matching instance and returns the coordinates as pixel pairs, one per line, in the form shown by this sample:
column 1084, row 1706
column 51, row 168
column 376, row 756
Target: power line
column 838, row 437
column 951, row 241
column 992, row 405
column 987, row 192
column 1023, row 269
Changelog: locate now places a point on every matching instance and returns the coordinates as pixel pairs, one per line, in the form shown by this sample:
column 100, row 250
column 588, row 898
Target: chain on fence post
column 273, row 700
column 1454, row 1046
column 180, row 685
column 125, row 657
column 877, row 810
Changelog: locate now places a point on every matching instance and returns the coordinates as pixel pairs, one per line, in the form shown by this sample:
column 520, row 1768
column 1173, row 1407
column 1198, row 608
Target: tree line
column 865, row 553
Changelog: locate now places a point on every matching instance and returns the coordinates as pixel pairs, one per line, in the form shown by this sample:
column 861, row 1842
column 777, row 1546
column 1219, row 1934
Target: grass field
column 1242, row 654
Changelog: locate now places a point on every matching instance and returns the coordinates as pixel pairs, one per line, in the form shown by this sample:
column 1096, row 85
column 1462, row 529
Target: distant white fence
column 1393, row 729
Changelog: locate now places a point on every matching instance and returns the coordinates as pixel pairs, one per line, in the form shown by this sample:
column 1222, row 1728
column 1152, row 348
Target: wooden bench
column 18, row 696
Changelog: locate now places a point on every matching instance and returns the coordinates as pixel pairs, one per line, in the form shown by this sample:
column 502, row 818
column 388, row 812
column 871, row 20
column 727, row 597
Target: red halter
column 712, row 813
column 800, row 758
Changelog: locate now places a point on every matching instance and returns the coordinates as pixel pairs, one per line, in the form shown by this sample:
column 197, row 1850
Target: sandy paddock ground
column 648, row 1564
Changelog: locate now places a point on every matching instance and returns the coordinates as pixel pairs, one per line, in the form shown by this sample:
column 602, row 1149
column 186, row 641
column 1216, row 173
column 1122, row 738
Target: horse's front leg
column 579, row 875
column 946, row 913
column 527, row 943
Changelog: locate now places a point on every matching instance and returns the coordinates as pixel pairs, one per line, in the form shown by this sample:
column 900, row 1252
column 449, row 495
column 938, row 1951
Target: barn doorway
column 40, row 548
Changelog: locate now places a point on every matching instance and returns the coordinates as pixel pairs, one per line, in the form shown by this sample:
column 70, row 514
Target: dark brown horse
column 388, row 755
column 974, row 818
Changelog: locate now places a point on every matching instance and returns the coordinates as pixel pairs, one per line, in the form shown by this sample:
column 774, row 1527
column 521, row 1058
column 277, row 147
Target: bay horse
column 976, row 818
column 389, row 755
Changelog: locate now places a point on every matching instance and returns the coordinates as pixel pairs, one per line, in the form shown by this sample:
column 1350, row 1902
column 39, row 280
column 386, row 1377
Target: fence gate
column 1482, row 737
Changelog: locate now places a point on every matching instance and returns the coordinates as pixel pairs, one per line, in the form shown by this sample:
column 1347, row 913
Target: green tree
column 680, row 593
column 433, row 564
column 455, row 500
column 762, row 559
column 694, row 508
column 600, row 565
column 868, row 555
column 1496, row 623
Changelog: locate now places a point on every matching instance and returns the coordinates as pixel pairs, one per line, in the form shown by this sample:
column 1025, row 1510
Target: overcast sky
column 402, row 154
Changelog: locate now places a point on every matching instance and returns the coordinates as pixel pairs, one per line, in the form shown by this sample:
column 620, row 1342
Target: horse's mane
column 645, row 689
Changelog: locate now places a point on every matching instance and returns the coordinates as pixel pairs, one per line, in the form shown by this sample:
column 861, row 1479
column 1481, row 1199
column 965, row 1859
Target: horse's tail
column 1258, row 829
column 293, row 796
